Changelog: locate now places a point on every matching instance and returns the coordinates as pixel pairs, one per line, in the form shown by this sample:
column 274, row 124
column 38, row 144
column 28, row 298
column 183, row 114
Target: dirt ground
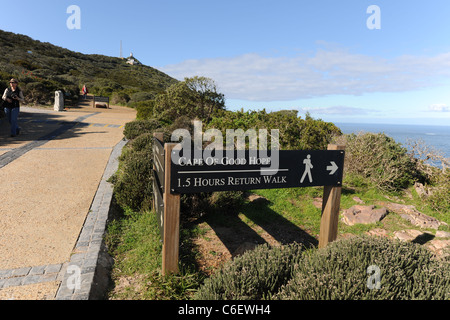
column 46, row 193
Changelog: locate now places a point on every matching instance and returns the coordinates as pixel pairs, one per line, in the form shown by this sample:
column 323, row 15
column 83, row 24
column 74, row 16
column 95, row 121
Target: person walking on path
column 84, row 91
column 12, row 97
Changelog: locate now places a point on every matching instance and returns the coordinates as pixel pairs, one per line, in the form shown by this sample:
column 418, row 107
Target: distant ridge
column 43, row 68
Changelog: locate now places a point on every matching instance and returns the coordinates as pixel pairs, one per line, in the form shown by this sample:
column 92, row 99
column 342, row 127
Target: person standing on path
column 84, row 92
column 12, row 97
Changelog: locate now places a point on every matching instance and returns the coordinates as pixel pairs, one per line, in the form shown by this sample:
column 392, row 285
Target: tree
column 195, row 98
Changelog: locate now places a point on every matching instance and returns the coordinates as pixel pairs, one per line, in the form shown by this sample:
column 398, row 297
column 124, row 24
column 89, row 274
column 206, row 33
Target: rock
column 358, row 200
column 442, row 234
column 439, row 246
column 420, row 189
column 407, row 235
column 415, row 217
column 378, row 232
column 254, row 198
column 421, row 220
column 400, row 208
column 363, row 214
column 317, row 202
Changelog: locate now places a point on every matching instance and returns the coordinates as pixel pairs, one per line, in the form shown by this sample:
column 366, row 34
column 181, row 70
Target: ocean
column 437, row 137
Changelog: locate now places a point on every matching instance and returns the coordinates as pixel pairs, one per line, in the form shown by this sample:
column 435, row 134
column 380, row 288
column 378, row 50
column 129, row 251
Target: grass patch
column 291, row 205
column 284, row 216
column 134, row 242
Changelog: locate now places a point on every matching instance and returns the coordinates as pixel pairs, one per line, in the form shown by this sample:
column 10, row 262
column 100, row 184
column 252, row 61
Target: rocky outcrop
column 440, row 247
column 415, row 217
column 363, row 214
column 439, row 242
column 408, row 235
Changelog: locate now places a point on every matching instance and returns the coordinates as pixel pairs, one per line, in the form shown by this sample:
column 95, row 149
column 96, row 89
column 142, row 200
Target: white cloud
column 439, row 108
column 326, row 72
column 338, row 110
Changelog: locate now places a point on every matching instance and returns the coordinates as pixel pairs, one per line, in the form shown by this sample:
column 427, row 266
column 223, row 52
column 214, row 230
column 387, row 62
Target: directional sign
column 245, row 171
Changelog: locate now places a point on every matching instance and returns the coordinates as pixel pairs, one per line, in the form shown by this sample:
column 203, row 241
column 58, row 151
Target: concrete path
column 49, row 176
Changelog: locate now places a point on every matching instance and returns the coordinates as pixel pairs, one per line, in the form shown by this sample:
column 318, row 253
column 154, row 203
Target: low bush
column 144, row 109
column 136, row 128
column 433, row 166
column 439, row 193
column 141, row 96
column 226, row 201
column 143, row 143
column 340, row 272
column 120, row 98
column 379, row 159
column 133, row 182
column 255, row 275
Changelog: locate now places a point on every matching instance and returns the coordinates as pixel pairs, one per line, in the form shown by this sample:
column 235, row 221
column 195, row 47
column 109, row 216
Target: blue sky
column 311, row 56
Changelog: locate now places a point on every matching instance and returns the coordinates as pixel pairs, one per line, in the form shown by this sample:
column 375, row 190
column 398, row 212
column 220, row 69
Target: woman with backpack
column 12, row 98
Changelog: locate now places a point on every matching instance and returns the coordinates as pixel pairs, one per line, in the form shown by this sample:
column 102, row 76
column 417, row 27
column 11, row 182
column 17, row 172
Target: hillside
column 43, row 68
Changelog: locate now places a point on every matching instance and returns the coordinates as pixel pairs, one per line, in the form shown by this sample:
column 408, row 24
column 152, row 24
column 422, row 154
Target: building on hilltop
column 132, row 60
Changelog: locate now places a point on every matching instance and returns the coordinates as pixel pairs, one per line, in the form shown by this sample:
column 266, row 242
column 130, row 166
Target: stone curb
column 30, row 275
column 86, row 276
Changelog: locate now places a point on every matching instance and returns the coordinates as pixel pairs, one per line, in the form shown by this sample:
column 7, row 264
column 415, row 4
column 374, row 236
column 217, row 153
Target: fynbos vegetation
column 43, row 68
column 339, row 272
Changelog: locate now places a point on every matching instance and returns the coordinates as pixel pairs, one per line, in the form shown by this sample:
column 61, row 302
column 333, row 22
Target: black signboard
column 248, row 170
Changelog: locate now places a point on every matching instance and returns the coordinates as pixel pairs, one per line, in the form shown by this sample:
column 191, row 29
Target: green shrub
column 257, row 274
column 195, row 97
column 407, row 271
column 226, row 201
column 133, row 182
column 379, row 159
column 38, row 92
column 141, row 96
column 295, row 133
column 143, row 142
column 144, row 109
column 197, row 204
column 340, row 271
column 120, row 98
column 136, row 128
column 439, row 197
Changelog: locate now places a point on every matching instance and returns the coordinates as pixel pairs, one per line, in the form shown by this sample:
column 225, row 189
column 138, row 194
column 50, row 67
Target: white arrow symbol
column 333, row 168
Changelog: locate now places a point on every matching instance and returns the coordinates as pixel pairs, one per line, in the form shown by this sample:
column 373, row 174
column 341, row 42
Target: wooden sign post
column 171, row 240
column 330, row 210
column 296, row 168
column 165, row 204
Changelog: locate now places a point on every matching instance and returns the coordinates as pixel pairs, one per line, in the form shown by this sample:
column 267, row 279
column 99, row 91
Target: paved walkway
column 49, row 201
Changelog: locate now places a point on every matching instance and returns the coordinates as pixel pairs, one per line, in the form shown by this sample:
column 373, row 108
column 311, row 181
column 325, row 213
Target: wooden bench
column 100, row 101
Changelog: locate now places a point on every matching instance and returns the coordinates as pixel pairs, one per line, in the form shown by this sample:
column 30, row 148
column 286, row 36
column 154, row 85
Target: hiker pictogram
column 308, row 167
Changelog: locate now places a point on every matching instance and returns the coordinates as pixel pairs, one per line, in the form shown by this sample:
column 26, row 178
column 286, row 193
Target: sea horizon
column 435, row 136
